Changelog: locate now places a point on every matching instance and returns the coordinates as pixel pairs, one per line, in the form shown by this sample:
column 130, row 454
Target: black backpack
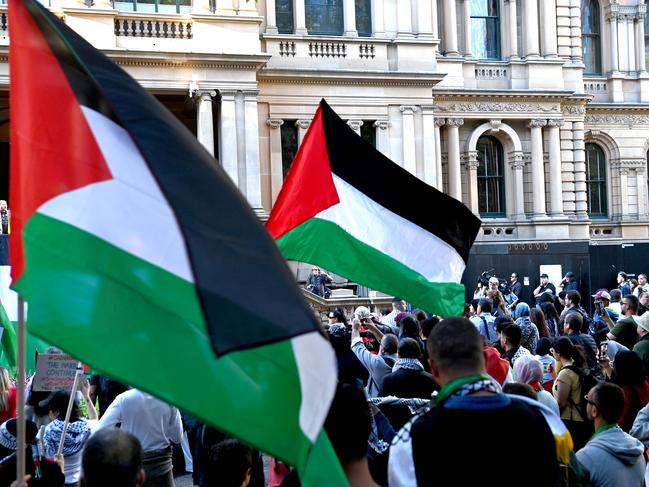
column 588, row 378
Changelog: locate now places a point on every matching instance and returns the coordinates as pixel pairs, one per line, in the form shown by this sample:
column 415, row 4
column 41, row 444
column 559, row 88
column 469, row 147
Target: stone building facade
column 534, row 113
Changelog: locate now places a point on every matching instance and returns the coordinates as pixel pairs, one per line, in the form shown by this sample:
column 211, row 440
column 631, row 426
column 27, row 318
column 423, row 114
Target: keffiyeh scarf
column 408, row 364
column 75, row 437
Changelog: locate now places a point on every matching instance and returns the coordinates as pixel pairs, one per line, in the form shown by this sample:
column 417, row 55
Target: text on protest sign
column 54, row 372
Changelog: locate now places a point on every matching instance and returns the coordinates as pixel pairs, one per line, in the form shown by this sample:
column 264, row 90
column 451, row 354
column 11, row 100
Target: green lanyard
column 601, row 429
column 456, row 385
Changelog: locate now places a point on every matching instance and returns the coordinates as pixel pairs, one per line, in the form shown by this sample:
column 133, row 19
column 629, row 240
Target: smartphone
column 603, row 347
column 599, row 306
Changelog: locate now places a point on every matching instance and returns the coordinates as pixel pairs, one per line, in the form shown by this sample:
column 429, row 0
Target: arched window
column 596, row 181
column 590, row 36
column 491, row 177
column 485, row 29
column 324, row 17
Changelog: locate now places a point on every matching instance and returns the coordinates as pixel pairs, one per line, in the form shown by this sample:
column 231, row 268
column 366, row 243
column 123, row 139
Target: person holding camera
column 316, row 282
column 600, row 325
column 569, row 283
column 544, row 287
column 625, row 330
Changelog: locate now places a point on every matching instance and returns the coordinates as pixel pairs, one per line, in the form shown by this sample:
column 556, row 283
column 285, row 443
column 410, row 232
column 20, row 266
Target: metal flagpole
column 20, row 388
column 73, row 395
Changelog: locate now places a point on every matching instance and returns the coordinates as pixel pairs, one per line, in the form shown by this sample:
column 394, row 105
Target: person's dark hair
column 575, row 321
column 538, row 318
column 574, row 297
column 227, row 464
column 634, row 302
column 409, row 327
column 501, row 322
column 616, row 295
column 628, row 369
column 513, row 334
column 57, row 402
column 515, row 274
column 419, row 315
column 550, row 312
column 485, row 305
column 428, row 324
column 623, row 274
column 609, row 399
column 474, row 303
column 409, row 348
column 519, row 389
column 390, row 343
column 543, row 346
column 455, row 344
column 562, row 294
column 348, row 424
column 111, row 456
column 564, row 347
column 339, row 314
column 467, row 310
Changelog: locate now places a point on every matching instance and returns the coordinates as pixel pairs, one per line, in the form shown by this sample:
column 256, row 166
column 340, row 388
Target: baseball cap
column 642, row 321
column 544, row 275
column 570, row 274
column 602, row 295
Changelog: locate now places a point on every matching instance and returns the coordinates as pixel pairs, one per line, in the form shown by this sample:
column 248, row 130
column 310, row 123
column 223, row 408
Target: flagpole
column 20, row 388
column 73, row 395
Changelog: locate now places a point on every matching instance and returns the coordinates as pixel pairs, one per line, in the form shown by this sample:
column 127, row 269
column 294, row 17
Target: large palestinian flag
column 347, row 207
column 138, row 256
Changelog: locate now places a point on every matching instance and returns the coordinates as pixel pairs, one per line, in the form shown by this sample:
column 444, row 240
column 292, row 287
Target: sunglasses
column 588, row 401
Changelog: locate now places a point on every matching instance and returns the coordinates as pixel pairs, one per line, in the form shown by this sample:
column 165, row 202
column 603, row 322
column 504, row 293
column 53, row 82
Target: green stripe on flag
column 358, row 261
column 9, row 350
column 143, row 326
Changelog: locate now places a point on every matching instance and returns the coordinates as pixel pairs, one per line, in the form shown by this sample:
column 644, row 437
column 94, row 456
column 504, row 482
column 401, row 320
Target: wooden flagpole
column 73, row 395
column 20, row 388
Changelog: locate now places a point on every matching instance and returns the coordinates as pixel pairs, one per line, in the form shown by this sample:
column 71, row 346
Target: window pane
column 289, row 144
column 589, row 17
column 485, row 29
column 491, row 177
column 324, row 17
column 368, row 132
column 284, row 16
column 596, row 181
column 592, row 56
column 364, row 18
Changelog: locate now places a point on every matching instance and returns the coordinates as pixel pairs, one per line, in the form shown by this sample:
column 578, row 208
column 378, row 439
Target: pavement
column 184, row 481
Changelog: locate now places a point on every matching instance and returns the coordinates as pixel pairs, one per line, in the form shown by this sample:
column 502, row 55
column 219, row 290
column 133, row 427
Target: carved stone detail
column 556, row 123
column 303, row 124
column 408, row 108
column 516, row 160
column 496, row 107
column 440, row 122
column 454, row 122
column 574, row 110
column 471, row 161
column 381, row 124
column 274, row 123
column 538, row 122
column 617, row 119
column 355, row 124
column 495, row 125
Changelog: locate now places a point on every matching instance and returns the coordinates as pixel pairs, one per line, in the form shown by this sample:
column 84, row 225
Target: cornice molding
column 616, row 119
column 498, row 107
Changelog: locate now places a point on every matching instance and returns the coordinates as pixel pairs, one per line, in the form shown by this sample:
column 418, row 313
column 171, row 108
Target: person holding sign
column 76, row 434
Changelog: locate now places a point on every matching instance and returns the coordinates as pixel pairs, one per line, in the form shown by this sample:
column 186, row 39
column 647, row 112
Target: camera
column 599, row 308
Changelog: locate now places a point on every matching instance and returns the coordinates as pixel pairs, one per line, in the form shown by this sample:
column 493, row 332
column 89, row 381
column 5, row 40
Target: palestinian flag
column 347, row 207
column 138, row 256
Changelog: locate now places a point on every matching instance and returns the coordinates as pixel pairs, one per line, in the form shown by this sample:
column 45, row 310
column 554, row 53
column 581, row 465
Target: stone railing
column 131, row 26
column 322, row 306
column 498, row 232
column 604, row 231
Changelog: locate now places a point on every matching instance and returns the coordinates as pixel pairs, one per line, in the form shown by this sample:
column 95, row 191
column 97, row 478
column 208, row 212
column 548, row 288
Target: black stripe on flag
column 370, row 172
column 247, row 293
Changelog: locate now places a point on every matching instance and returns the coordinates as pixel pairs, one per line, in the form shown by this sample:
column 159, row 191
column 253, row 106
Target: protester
column 484, row 321
column 568, row 392
column 599, row 328
column 155, row 424
column 625, row 330
column 378, row 366
column 432, row 449
column 641, row 348
column 350, row 369
column 516, row 287
column 644, row 303
column 398, row 306
column 612, row 457
column 7, row 396
column 616, row 297
column 229, row 464
column 497, row 367
column 337, row 316
column 519, row 389
column 77, row 433
column 622, row 283
column 529, row 332
column 112, row 457
column 551, row 319
column 627, row 372
column 571, row 326
column 510, row 340
column 642, row 286
column 544, row 356
column 104, row 389
column 316, row 282
column 497, row 299
column 529, row 370
column 49, row 471
column 538, row 318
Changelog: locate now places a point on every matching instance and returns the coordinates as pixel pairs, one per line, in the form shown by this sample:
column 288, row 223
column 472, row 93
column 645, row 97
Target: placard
column 54, row 371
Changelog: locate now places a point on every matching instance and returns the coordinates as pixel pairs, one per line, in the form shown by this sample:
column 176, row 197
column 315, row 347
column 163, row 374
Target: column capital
column 381, row 124
column 516, row 160
column 303, row 124
column 355, row 125
column 471, row 160
column 274, row 123
column 454, row 122
column 204, row 95
column 408, row 108
column 556, row 122
column 539, row 122
column 439, row 122
column 640, row 170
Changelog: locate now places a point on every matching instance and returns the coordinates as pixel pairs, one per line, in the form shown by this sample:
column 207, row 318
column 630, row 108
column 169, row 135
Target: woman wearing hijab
column 530, row 333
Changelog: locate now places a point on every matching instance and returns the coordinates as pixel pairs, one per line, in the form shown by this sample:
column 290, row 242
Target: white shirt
column 153, row 422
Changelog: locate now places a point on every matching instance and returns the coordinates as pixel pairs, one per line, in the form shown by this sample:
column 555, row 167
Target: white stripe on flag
column 129, row 211
column 367, row 221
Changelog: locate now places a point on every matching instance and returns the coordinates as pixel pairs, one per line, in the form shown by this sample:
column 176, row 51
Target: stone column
column 378, row 22
column 467, row 28
column 641, row 184
column 579, row 151
column 450, row 28
column 349, row 18
column 575, row 31
column 404, row 19
column 251, row 164
column 549, row 28
column 302, row 126
column 630, row 32
column 276, row 166
column 567, row 169
column 612, row 19
column 204, row 120
column 513, row 30
column 641, row 64
column 355, row 126
column 299, row 20
column 518, row 164
column 531, row 19
column 556, row 184
column 438, row 153
column 454, row 180
column 409, row 147
column 434, row 17
column 472, row 165
column 424, row 19
column 228, row 136
column 624, row 191
column 428, row 138
column 382, row 139
column 538, row 172
column 271, row 19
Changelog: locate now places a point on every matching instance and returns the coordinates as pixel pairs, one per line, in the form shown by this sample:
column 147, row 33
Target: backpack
column 588, row 378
